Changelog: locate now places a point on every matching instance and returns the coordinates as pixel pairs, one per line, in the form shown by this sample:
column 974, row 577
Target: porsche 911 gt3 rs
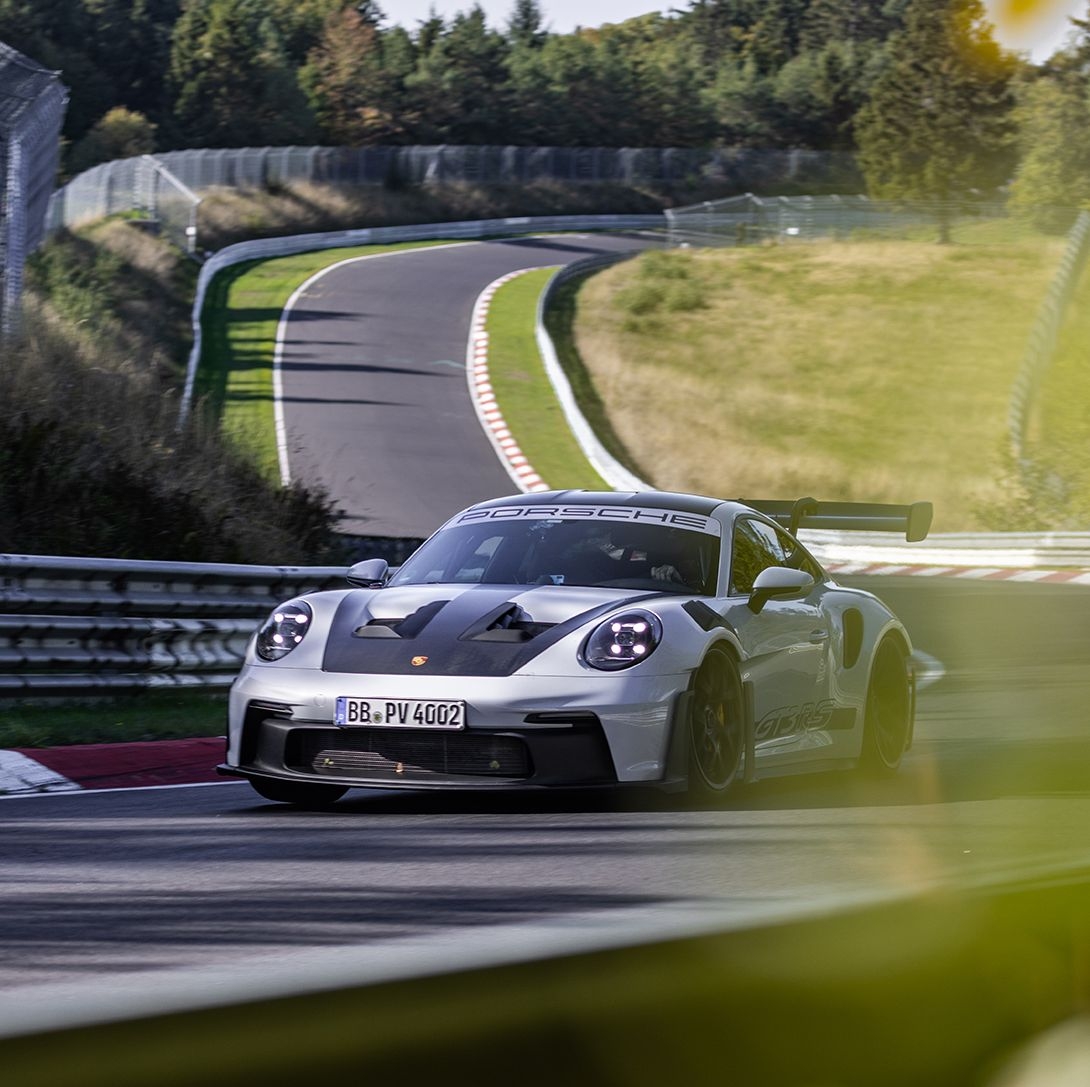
column 577, row 638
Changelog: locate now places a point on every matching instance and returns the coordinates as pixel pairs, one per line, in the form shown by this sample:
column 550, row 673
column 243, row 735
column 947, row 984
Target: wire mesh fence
column 167, row 187
column 746, row 219
column 32, row 105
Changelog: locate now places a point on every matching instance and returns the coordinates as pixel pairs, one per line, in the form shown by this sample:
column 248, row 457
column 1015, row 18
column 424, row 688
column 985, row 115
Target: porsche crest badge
column 418, row 661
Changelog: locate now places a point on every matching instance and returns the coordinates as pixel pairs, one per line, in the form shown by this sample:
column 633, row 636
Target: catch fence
column 167, row 188
column 32, row 105
column 746, row 219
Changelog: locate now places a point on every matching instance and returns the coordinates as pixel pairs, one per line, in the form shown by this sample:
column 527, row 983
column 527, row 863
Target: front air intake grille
column 411, row 755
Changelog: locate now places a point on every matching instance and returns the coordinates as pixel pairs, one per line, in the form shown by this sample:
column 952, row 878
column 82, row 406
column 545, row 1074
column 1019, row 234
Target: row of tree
column 919, row 87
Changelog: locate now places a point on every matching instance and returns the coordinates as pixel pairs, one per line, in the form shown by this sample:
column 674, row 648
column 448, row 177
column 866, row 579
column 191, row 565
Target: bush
column 91, row 460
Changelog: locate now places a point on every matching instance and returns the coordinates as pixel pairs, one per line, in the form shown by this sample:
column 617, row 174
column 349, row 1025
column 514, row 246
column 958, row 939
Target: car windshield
column 621, row 555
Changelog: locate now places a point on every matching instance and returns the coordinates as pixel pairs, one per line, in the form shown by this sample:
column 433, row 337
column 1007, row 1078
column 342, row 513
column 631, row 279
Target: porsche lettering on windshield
column 631, row 514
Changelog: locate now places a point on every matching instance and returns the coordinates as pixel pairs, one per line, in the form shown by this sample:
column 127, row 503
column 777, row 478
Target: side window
column 756, row 547
column 798, row 558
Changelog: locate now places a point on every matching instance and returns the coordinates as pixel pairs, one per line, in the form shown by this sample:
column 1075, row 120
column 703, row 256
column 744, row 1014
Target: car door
column 786, row 645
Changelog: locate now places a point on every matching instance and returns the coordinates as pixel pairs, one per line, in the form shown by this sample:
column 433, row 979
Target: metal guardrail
column 77, row 626
column 599, row 458
column 82, row 626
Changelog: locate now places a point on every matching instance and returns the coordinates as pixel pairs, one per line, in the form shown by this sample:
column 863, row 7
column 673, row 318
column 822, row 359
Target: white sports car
column 582, row 639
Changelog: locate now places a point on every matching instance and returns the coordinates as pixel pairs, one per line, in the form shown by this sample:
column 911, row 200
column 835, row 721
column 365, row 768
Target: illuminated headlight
column 283, row 630
column 623, row 641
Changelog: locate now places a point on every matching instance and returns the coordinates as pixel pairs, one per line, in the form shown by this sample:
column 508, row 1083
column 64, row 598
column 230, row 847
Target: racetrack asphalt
column 376, row 403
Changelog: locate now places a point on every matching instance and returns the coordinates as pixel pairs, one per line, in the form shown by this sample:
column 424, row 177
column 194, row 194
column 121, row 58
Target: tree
column 938, row 124
column 526, row 28
column 354, row 95
column 460, row 83
column 742, row 105
column 232, row 82
column 120, row 134
column 1054, row 169
column 818, row 93
column 129, row 40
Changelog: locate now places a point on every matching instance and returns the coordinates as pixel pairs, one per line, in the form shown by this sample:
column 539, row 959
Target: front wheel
column 887, row 720
column 302, row 794
column 716, row 728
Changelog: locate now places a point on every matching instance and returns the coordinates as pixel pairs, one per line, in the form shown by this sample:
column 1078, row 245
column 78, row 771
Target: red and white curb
column 484, row 398
column 78, row 767
column 971, row 573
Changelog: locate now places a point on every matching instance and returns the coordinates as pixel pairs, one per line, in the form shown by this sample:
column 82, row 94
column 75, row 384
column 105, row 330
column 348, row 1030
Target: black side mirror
column 369, row 574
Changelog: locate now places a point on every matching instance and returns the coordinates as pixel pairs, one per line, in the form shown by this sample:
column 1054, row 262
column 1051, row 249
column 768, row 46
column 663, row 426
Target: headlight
column 283, row 630
column 623, row 641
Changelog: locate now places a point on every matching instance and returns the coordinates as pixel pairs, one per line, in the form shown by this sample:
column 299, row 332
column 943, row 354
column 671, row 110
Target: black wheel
column 302, row 794
column 716, row 728
column 888, row 714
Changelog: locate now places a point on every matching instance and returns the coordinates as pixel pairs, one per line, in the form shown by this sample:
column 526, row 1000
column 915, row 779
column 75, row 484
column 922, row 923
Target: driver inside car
column 619, row 552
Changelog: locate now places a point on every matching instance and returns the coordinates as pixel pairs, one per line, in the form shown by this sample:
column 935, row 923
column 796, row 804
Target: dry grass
column 230, row 215
column 857, row 370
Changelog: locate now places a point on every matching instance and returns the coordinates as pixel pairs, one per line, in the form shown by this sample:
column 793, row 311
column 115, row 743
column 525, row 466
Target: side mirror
column 778, row 581
column 369, row 574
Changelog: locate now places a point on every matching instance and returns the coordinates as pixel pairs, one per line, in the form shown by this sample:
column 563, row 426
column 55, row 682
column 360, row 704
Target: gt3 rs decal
column 632, row 514
column 809, row 717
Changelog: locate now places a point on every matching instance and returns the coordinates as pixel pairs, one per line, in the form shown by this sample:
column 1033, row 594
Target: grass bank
column 523, row 390
column 92, row 461
column 144, row 715
column 232, row 215
column 874, row 370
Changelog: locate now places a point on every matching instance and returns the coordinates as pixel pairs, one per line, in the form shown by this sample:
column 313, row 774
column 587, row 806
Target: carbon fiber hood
column 478, row 630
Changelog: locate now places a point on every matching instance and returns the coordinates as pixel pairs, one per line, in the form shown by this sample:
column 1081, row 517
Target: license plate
column 399, row 713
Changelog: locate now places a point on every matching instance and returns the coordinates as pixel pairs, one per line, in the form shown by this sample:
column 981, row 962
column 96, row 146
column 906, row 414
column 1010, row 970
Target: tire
column 716, row 728
column 887, row 717
column 300, row 793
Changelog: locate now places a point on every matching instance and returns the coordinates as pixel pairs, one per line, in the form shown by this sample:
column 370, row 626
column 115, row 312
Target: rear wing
column 914, row 520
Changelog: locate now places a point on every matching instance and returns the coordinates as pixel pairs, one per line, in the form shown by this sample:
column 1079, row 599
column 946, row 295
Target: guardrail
column 73, row 626
column 76, row 626
column 599, row 458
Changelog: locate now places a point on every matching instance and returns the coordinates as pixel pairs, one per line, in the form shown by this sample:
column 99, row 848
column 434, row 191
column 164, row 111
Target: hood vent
column 507, row 623
column 409, row 627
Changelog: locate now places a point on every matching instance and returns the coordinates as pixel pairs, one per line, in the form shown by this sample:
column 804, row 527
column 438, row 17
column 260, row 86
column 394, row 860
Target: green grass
column 238, row 324
column 144, row 715
column 523, row 390
column 871, row 371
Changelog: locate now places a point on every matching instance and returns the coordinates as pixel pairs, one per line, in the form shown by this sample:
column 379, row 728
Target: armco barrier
column 71, row 626
column 939, row 989
column 600, row 459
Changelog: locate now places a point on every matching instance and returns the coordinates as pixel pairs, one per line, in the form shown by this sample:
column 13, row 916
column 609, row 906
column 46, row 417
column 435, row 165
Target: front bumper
column 557, row 732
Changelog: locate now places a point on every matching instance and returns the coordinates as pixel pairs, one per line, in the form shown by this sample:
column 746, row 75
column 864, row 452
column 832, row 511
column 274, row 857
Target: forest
column 919, row 88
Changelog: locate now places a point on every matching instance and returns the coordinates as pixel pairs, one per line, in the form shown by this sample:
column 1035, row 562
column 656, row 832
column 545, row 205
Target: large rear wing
column 914, row 520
